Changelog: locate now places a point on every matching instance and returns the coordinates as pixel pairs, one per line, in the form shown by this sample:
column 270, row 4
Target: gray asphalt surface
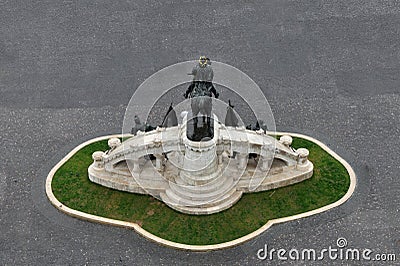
column 330, row 69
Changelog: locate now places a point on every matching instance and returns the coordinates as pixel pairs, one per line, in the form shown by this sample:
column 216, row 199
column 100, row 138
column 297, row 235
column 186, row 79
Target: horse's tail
column 202, row 101
column 201, row 104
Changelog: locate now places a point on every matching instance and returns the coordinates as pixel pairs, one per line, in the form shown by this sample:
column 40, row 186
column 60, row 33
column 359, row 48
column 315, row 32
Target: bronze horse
column 201, row 102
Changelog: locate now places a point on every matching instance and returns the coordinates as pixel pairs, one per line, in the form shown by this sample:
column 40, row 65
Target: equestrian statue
column 200, row 92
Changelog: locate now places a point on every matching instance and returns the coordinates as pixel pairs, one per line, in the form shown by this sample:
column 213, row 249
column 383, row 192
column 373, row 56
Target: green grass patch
column 72, row 187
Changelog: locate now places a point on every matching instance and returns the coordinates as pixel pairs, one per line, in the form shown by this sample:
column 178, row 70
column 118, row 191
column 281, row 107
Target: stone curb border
column 141, row 231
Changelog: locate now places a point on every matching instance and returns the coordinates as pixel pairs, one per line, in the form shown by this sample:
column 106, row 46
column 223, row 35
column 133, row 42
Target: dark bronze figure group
column 200, row 93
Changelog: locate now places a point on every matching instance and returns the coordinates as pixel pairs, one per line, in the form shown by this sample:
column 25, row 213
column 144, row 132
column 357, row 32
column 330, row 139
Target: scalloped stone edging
column 141, row 231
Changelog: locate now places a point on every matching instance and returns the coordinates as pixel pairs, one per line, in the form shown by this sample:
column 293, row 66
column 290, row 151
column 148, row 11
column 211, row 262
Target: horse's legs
column 208, row 109
column 195, row 118
column 195, row 111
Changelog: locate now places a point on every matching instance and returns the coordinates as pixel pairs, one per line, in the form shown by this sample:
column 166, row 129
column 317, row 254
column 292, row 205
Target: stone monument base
column 200, row 177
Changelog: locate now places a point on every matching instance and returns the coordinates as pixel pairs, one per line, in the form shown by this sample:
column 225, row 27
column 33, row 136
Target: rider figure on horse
column 202, row 73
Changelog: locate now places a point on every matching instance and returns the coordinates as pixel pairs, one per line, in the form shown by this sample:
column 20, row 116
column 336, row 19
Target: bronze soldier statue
column 202, row 73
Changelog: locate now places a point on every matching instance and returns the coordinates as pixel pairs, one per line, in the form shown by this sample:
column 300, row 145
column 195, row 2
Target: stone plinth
column 201, row 187
column 203, row 176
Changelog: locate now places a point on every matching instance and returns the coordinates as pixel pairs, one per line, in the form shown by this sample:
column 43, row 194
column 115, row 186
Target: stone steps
column 205, row 188
column 226, row 202
column 196, row 177
column 177, row 200
column 191, row 193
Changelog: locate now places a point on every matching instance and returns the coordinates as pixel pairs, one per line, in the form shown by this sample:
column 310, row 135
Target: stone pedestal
column 97, row 157
column 197, row 176
column 200, row 162
column 303, row 158
column 201, row 187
